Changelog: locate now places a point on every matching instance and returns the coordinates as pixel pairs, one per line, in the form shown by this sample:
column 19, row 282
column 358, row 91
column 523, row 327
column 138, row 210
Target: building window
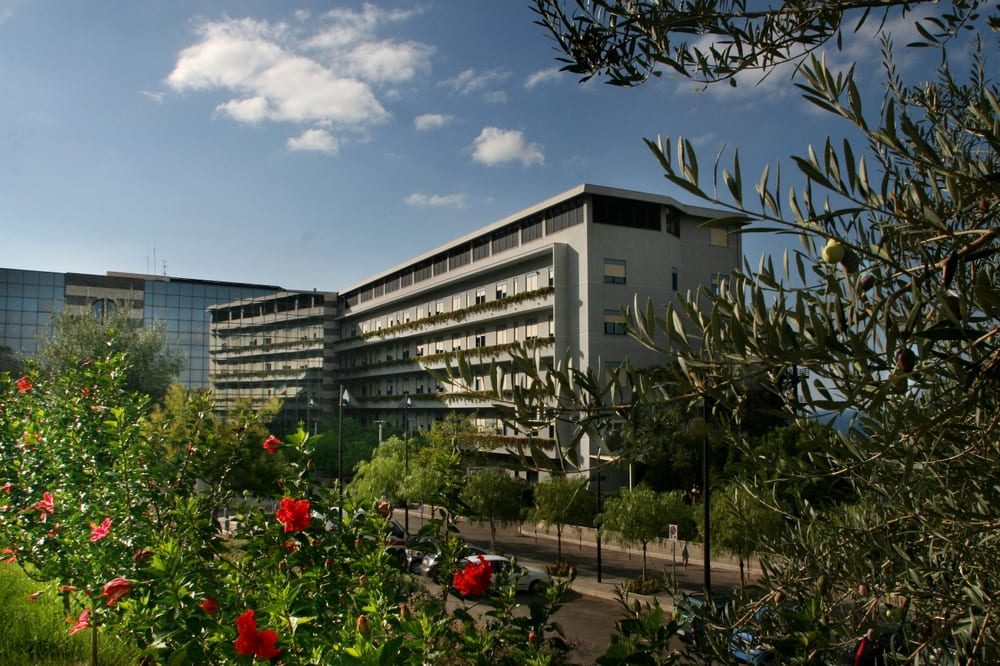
column 673, row 222
column 531, row 329
column 501, row 290
column 614, row 322
column 456, row 342
column 674, row 279
column 718, row 237
column 439, row 346
column 531, row 282
column 502, row 335
column 421, row 313
column 717, row 280
column 480, row 295
column 552, row 276
column 614, row 271
column 420, row 347
column 552, row 325
column 456, row 303
column 439, row 307
column 480, row 338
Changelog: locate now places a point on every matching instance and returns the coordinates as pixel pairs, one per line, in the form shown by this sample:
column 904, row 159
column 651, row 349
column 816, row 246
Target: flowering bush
column 90, row 509
column 474, row 578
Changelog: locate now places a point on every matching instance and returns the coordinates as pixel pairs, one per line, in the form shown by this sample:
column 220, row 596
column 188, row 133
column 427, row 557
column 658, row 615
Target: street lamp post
column 705, row 498
column 599, row 580
column 343, row 398
column 406, row 462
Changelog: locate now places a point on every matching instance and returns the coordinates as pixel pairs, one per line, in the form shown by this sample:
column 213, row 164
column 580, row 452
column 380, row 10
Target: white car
column 529, row 579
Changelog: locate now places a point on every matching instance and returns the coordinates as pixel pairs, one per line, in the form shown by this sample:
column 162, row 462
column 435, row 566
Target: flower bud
column 533, row 637
column 363, row 627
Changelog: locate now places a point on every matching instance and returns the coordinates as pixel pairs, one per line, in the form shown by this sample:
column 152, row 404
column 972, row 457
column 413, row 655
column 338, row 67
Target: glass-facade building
column 30, row 299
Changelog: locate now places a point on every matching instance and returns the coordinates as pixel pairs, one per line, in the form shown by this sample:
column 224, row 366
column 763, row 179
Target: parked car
column 746, row 649
column 528, row 579
column 430, row 564
column 690, row 613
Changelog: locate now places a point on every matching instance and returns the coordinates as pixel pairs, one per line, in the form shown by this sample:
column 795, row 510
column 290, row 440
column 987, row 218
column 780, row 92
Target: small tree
column 382, row 476
column 561, row 501
column 495, row 497
column 80, row 338
column 742, row 525
column 640, row 514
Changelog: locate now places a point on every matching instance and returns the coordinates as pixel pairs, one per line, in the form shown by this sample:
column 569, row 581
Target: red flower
column 362, row 626
column 474, row 579
column 272, row 444
column 7, row 487
column 209, row 605
column 294, row 514
column 34, row 595
column 67, row 588
column 24, row 385
column 98, row 532
column 11, row 553
column 45, row 506
column 141, row 555
column 82, row 622
column 249, row 641
column 115, row 589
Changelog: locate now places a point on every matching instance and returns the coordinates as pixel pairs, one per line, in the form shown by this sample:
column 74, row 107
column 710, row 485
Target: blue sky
column 311, row 145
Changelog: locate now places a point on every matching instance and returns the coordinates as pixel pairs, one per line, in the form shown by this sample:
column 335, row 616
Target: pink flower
column 209, row 605
column 98, row 532
column 82, row 622
column 34, row 595
column 24, row 385
column 7, row 487
column 272, row 444
column 115, row 589
column 45, row 506
column 11, row 555
column 67, row 588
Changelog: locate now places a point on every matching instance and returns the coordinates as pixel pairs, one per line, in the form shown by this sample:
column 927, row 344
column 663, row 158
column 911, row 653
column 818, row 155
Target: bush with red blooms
column 150, row 563
column 474, row 578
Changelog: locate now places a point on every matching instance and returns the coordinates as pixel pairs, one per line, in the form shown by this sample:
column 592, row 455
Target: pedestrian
column 684, row 555
column 867, row 652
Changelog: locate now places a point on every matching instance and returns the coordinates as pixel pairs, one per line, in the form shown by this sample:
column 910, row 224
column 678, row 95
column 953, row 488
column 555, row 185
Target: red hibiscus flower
column 209, row 605
column 24, row 385
column 474, row 578
column 115, row 589
column 249, row 641
column 294, row 514
column 272, row 444
column 98, row 532
column 82, row 622
column 7, row 487
column 11, row 554
column 45, row 506
column 34, row 595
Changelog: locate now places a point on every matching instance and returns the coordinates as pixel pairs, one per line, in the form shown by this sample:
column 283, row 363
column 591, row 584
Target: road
column 590, row 611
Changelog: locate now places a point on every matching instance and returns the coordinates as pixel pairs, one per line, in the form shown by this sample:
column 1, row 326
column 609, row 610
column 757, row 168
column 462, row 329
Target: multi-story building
column 278, row 345
column 552, row 277
column 30, row 299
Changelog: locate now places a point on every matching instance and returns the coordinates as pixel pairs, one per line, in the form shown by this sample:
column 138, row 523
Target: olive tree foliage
column 81, row 338
column 495, row 497
column 640, row 515
column 891, row 305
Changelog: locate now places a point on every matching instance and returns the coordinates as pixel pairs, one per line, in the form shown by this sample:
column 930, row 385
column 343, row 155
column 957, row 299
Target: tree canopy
column 887, row 319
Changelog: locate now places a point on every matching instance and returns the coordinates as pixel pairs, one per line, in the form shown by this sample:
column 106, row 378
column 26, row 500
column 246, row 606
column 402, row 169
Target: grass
column 36, row 632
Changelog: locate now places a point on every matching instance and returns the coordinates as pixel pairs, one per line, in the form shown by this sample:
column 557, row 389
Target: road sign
column 673, row 532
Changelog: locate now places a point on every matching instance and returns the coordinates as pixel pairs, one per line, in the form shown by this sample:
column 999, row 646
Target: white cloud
column 317, row 140
column 318, row 70
column 542, row 76
column 470, row 81
column 436, row 200
column 429, row 121
column 156, row 96
column 496, row 146
column 390, row 61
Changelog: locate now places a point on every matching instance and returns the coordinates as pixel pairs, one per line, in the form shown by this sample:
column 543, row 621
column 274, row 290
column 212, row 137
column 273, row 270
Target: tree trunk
column 558, row 543
column 741, row 573
column 493, row 535
column 644, row 561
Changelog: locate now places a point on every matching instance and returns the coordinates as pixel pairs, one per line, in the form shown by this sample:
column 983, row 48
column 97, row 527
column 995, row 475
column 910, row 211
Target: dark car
column 690, row 613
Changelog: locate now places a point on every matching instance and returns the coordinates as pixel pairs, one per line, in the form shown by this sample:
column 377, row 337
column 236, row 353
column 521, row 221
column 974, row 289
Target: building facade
column 30, row 299
column 275, row 346
column 552, row 277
